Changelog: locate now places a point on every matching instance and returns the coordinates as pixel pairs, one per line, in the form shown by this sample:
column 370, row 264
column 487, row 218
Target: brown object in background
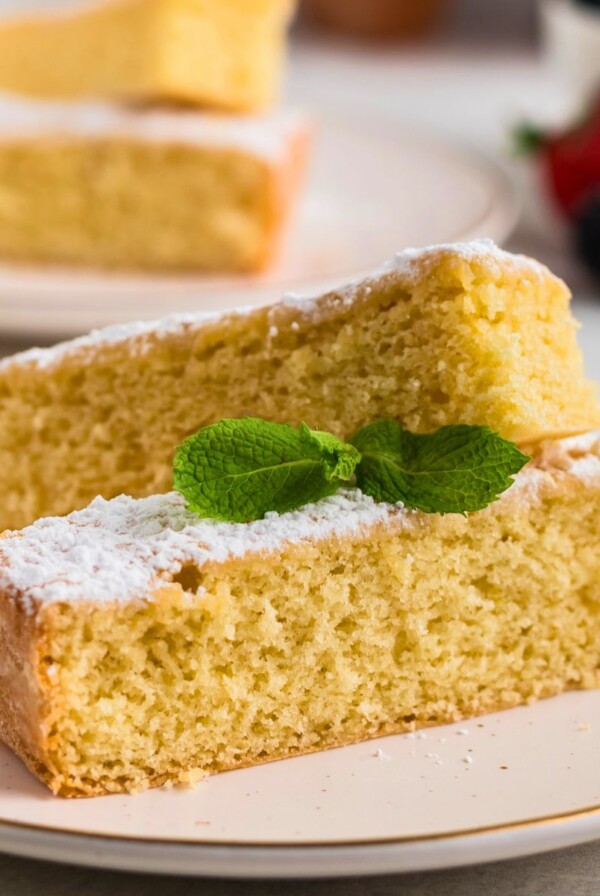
column 376, row 18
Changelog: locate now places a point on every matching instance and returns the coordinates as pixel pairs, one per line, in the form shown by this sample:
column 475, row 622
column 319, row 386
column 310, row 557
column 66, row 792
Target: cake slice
column 463, row 333
column 103, row 186
column 222, row 53
column 140, row 645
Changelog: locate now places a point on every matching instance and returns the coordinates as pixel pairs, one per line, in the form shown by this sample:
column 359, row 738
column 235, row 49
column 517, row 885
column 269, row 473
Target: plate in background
column 373, row 188
column 504, row 785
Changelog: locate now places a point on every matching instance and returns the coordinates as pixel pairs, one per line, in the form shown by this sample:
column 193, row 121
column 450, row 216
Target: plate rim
column 289, row 861
column 525, row 823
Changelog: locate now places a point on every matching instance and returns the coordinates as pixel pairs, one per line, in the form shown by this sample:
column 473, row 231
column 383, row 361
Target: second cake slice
column 462, row 333
column 175, row 189
column 220, row 53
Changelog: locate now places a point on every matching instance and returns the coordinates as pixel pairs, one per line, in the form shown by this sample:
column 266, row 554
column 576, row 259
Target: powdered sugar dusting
column 124, row 549
column 266, row 136
column 407, row 264
column 478, row 250
column 44, row 358
column 483, row 251
column 579, row 456
column 411, row 263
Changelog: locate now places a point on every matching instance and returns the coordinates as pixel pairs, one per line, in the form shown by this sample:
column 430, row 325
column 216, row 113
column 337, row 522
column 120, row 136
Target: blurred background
column 433, row 120
column 472, row 71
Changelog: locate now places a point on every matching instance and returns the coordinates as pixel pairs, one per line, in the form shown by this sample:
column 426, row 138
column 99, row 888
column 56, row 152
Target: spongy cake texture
column 139, row 645
column 220, row 53
column 463, row 333
column 151, row 189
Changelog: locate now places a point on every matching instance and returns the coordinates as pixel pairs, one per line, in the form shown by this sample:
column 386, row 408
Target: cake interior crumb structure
column 464, row 333
column 147, row 189
column 139, row 645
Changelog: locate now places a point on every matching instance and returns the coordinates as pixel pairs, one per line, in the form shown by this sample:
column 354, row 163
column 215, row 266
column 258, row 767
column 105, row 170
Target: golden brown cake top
column 124, row 549
column 406, row 266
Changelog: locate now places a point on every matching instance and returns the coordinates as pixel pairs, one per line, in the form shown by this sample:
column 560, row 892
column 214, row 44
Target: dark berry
column 571, row 159
column 573, row 163
column 587, row 231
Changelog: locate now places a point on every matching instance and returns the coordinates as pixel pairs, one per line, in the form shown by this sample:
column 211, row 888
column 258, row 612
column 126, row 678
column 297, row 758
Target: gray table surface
column 572, row 872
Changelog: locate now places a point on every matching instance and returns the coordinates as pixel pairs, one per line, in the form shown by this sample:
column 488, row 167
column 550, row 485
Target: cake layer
column 140, row 645
column 221, row 53
column 163, row 190
column 455, row 334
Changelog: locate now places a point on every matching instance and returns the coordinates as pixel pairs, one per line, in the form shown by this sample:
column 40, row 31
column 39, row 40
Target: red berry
column 572, row 161
column 574, row 169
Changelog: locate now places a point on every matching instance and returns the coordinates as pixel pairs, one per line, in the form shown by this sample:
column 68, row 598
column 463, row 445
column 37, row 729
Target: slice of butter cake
column 104, row 186
column 463, row 333
column 221, row 53
column 141, row 645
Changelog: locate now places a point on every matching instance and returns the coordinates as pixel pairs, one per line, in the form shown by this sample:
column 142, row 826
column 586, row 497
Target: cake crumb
column 379, row 754
column 192, row 776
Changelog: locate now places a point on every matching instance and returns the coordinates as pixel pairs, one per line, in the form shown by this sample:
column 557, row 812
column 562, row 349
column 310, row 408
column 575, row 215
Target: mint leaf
column 528, row 138
column 456, row 469
column 238, row 470
column 339, row 458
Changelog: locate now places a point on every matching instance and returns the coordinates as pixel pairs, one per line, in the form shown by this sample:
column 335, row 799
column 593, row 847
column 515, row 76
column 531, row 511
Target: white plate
column 373, row 189
column 503, row 785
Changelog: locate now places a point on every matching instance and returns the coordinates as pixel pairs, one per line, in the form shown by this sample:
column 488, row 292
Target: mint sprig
column 238, row 470
column 457, row 469
column 339, row 458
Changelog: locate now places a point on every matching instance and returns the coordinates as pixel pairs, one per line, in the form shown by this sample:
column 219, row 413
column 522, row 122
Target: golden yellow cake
column 141, row 645
column 463, row 333
column 102, row 186
column 222, row 53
